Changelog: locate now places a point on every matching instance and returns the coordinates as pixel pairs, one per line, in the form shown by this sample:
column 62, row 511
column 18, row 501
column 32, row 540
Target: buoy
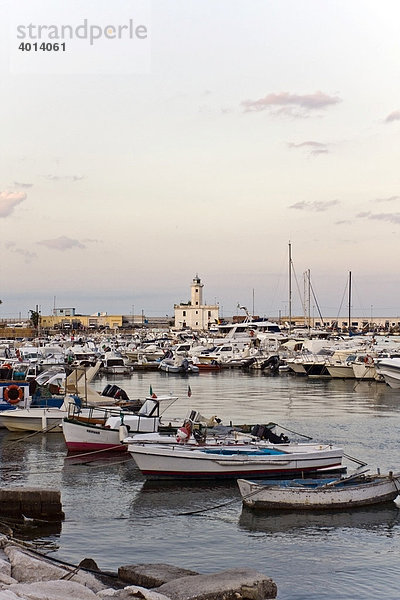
column 13, row 394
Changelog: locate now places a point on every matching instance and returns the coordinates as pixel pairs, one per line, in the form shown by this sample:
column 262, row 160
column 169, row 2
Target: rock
column 5, row 567
column 153, row 575
column 233, row 584
column 6, row 580
column 4, row 541
column 6, row 530
column 130, row 592
column 7, row 595
column 89, row 563
column 51, row 590
column 25, row 568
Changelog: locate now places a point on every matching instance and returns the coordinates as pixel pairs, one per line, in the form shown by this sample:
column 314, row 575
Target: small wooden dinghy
column 317, row 494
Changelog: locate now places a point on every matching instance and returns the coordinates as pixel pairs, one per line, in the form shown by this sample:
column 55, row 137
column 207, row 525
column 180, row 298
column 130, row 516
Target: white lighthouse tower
column 194, row 314
column 196, row 296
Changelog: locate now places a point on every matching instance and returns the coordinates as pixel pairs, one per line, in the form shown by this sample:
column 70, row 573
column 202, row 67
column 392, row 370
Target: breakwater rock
column 26, row 576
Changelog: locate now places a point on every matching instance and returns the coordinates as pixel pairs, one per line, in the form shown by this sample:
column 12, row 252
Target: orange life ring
column 6, row 366
column 13, row 394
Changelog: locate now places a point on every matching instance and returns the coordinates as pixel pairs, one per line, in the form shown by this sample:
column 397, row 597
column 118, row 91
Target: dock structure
column 31, row 503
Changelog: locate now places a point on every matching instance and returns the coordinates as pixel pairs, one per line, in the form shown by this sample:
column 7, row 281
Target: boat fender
column 13, row 394
column 123, row 432
column 183, row 434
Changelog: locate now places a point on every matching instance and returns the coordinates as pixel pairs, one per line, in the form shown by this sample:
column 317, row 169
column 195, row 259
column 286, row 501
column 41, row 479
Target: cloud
column 393, row 116
column 22, row 185
column 27, row 254
column 343, row 222
column 316, row 206
column 8, row 201
column 390, row 199
column 63, row 177
column 62, row 243
column 314, row 148
column 388, row 217
column 294, row 105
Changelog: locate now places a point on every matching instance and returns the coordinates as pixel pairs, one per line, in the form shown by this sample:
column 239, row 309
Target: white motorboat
column 389, row 369
column 232, row 460
column 178, row 365
column 317, row 494
column 42, row 419
column 104, row 428
column 114, row 364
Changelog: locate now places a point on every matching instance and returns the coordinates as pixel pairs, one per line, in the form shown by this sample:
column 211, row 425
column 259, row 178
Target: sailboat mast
column 290, row 287
column 349, row 301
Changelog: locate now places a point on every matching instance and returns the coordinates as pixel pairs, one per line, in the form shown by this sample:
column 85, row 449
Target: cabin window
column 184, row 313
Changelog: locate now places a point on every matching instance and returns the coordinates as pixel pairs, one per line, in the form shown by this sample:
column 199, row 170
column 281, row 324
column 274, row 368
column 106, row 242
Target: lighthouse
column 194, row 314
column 196, row 291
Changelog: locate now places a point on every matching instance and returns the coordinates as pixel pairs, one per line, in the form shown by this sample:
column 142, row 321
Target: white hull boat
column 232, row 460
column 105, row 428
column 389, row 369
column 364, row 371
column 317, row 494
column 343, row 371
column 33, row 419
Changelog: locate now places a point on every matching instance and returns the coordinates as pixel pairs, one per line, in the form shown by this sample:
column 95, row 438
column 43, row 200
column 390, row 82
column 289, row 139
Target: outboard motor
column 264, row 433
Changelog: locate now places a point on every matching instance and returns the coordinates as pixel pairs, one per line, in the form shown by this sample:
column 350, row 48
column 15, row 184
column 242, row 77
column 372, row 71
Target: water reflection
column 381, row 518
column 179, row 498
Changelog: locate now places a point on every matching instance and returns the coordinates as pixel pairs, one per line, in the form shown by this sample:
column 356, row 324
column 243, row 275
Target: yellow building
column 66, row 319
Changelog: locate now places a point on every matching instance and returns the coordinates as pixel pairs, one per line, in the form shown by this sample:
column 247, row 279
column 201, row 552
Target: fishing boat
column 232, row 459
column 41, row 419
column 317, row 494
column 176, row 365
column 104, row 428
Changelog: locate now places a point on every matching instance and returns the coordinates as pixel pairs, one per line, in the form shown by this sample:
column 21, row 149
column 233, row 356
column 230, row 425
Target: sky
column 128, row 166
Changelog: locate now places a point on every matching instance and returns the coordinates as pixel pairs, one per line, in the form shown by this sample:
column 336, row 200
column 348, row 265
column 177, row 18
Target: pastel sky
column 259, row 122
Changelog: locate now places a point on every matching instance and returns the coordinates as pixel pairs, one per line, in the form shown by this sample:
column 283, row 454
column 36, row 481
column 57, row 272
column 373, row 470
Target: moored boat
column 232, row 459
column 104, row 428
column 389, row 369
column 317, row 494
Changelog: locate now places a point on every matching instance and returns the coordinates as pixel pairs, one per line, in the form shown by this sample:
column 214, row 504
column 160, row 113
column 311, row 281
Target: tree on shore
column 35, row 317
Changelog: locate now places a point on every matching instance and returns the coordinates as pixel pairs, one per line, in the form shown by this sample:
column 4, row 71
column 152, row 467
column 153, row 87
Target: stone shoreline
column 26, row 576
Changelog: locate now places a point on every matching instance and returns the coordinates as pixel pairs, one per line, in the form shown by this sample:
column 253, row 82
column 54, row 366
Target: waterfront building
column 194, row 314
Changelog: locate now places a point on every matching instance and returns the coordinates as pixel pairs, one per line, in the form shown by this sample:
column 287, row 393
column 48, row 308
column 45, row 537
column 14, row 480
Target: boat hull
column 266, row 496
column 82, row 438
column 32, row 419
column 389, row 369
column 341, row 372
column 179, row 462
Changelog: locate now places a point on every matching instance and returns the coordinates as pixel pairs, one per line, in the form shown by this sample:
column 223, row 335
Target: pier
column 31, row 503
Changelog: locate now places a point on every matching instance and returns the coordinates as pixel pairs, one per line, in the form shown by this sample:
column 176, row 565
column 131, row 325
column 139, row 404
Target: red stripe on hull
column 83, row 447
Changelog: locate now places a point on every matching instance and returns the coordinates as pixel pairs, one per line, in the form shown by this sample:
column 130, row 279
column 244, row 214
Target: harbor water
column 116, row 517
